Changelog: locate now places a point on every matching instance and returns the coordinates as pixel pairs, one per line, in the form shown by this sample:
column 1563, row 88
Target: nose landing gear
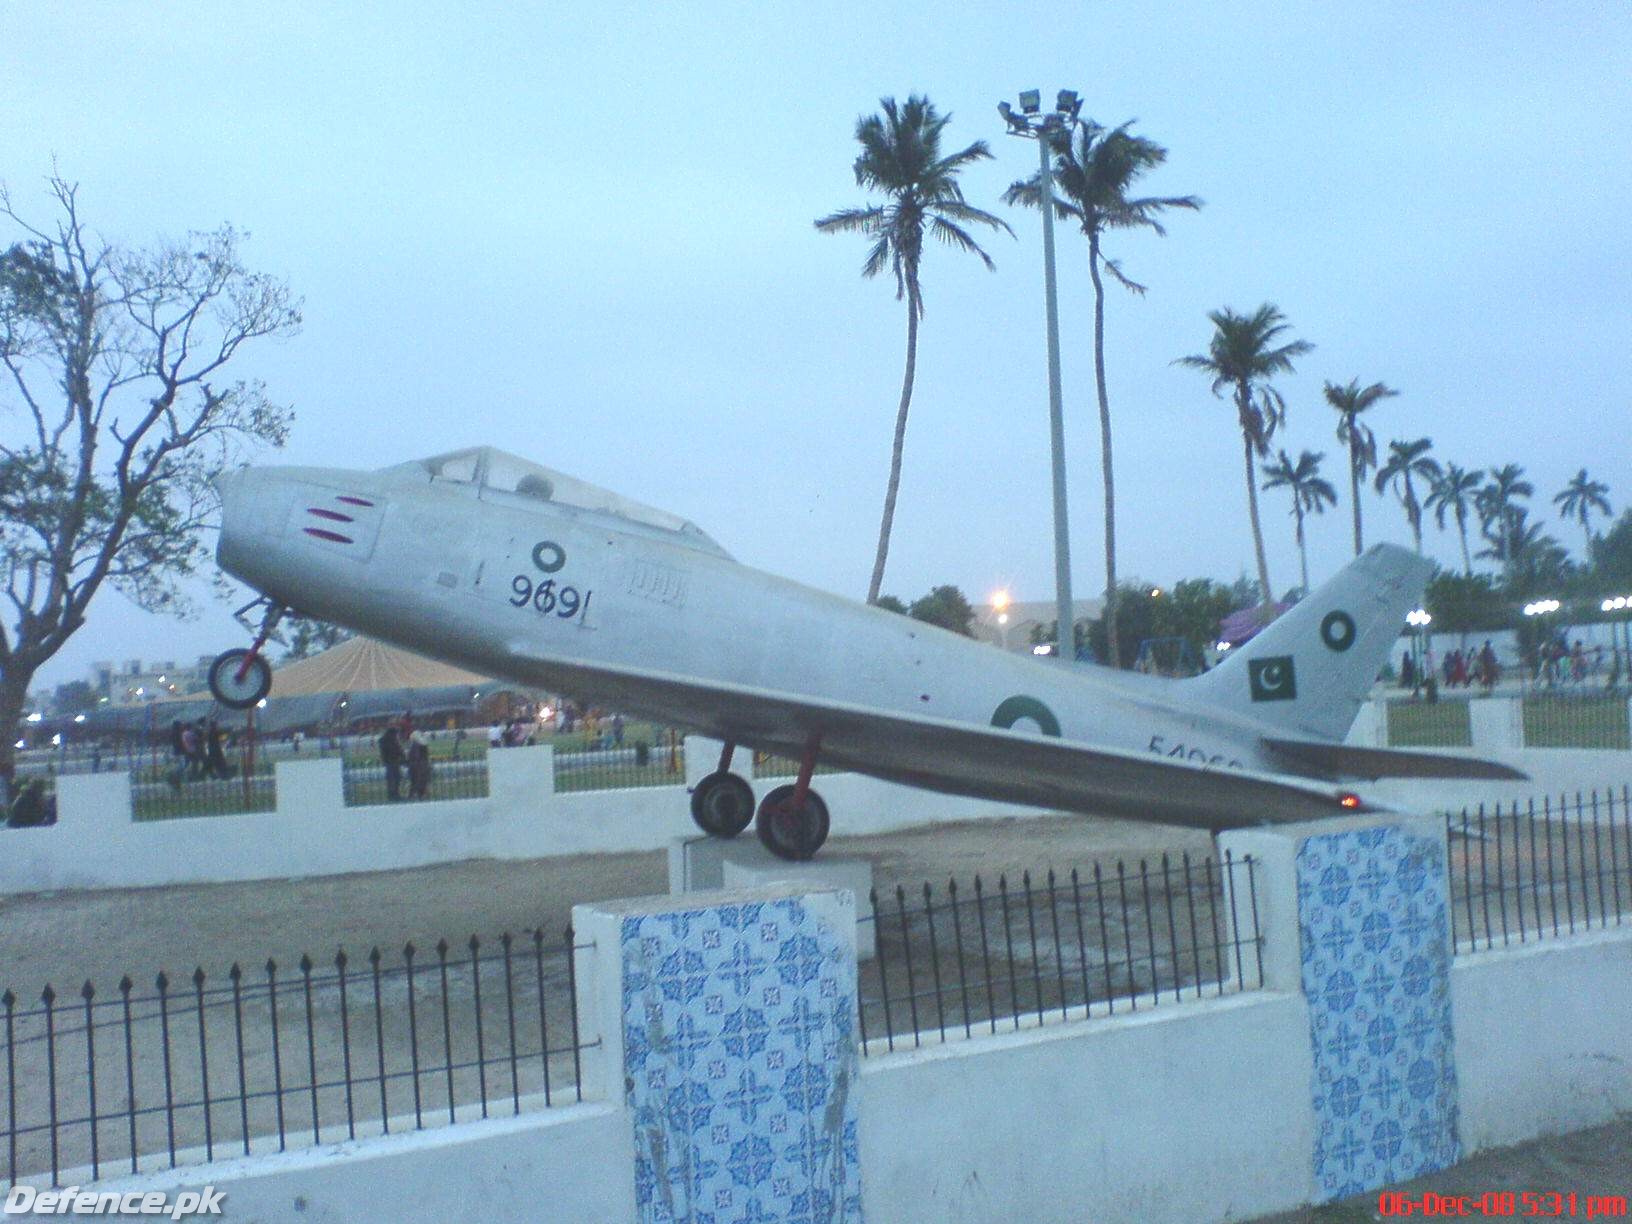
column 241, row 678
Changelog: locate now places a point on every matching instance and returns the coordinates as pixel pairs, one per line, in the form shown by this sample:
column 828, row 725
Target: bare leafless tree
column 117, row 409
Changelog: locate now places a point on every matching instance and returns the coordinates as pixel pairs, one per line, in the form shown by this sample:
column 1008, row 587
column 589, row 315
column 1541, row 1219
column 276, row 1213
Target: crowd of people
column 1558, row 662
column 403, row 746
column 198, row 750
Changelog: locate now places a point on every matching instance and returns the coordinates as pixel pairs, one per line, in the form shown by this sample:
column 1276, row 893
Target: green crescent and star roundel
column 1013, row 709
column 1337, row 631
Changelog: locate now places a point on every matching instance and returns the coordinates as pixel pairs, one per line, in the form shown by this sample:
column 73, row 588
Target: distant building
column 135, row 684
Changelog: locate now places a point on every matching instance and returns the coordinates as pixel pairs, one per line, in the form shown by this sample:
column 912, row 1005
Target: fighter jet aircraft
column 514, row 570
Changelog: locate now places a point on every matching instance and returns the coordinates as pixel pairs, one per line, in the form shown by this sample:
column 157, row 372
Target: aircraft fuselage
column 521, row 589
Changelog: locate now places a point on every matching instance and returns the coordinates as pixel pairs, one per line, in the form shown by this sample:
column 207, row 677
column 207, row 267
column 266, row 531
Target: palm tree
column 901, row 158
column 1499, row 510
column 1093, row 173
column 1455, row 493
column 1579, row 499
column 1243, row 357
column 1356, row 436
column 1405, row 460
column 1310, row 493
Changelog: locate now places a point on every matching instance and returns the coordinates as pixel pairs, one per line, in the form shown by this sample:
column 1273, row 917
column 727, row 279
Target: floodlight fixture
column 1049, row 131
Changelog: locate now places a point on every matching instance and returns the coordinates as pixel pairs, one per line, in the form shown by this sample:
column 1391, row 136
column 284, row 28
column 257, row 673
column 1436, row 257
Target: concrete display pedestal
column 704, row 864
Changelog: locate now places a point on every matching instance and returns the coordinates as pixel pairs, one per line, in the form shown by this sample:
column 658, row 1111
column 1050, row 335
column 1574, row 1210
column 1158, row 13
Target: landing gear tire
column 791, row 832
column 722, row 804
column 239, row 692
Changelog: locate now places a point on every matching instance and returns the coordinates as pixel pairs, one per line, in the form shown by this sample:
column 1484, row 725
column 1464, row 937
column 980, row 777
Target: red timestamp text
column 1502, row 1204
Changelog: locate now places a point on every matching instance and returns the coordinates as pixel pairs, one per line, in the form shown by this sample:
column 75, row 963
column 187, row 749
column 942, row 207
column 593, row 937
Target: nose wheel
column 241, row 678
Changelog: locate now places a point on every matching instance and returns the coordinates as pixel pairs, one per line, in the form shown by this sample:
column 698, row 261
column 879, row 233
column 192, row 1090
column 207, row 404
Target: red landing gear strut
column 793, row 821
column 240, row 679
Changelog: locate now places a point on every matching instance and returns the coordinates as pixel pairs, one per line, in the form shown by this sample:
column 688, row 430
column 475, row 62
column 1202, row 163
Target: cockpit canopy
column 491, row 470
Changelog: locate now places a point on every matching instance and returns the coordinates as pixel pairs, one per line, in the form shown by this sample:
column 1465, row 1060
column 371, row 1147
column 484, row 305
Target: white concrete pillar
column 309, row 789
column 1370, row 729
column 97, row 799
column 1496, row 723
column 521, row 779
column 703, row 758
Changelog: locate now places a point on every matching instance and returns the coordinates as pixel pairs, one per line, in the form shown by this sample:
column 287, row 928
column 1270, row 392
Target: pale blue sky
column 585, row 236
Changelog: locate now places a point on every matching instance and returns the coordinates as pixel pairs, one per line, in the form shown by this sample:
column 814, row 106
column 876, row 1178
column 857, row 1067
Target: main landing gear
column 241, row 678
column 792, row 822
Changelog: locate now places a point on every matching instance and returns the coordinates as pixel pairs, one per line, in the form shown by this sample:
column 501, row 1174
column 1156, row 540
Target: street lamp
column 1000, row 605
column 1047, row 130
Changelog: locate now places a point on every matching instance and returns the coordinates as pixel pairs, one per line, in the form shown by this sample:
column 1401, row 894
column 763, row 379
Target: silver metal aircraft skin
column 523, row 573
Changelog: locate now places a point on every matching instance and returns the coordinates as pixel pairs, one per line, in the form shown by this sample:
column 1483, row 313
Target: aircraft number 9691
column 547, row 597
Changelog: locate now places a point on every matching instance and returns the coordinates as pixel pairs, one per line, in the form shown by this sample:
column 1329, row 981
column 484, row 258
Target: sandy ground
column 430, row 1054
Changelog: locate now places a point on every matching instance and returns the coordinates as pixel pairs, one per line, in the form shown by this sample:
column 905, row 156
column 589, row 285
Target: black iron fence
column 644, row 756
column 1540, row 869
column 1060, row 947
column 279, row 1057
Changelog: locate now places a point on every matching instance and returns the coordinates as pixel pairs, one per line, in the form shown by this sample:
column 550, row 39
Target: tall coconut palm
column 1499, row 510
column 1242, row 357
column 1579, row 499
column 1093, row 173
column 1405, row 461
column 1455, row 493
column 1311, row 494
column 1356, row 436
column 901, row 158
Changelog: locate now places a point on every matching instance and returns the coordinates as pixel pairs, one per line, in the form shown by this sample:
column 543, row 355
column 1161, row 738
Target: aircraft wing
column 953, row 758
column 1359, row 762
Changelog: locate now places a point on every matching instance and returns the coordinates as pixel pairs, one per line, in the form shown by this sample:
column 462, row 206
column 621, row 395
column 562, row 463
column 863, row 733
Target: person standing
column 392, row 757
column 419, row 766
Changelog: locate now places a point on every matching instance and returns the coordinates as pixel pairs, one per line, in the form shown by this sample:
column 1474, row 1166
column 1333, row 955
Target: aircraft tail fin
column 1308, row 671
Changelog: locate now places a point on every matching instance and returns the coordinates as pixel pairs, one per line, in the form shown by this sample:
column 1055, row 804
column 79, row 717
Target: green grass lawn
column 1421, row 724
column 1575, row 722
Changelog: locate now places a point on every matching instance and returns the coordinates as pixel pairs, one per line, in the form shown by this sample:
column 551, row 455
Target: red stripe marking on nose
column 353, row 501
column 332, row 515
column 322, row 534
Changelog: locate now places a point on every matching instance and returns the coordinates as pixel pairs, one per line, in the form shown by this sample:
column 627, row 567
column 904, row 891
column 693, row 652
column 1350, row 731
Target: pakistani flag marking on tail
column 1272, row 678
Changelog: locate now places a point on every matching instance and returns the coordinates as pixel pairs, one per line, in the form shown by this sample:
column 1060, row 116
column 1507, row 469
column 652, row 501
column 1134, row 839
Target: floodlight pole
column 1065, row 637
column 1043, row 129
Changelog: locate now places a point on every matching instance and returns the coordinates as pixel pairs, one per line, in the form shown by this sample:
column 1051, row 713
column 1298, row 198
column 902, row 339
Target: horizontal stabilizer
column 1346, row 760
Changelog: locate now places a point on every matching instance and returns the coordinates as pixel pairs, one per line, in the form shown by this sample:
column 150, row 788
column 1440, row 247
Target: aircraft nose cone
column 240, row 517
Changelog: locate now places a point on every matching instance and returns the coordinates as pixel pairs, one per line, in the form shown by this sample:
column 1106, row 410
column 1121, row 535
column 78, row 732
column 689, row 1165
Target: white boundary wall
column 96, row 844
column 1191, row 1112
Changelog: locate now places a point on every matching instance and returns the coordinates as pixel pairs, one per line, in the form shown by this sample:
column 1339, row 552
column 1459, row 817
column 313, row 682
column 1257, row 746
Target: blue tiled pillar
column 734, row 1032
column 1375, row 952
